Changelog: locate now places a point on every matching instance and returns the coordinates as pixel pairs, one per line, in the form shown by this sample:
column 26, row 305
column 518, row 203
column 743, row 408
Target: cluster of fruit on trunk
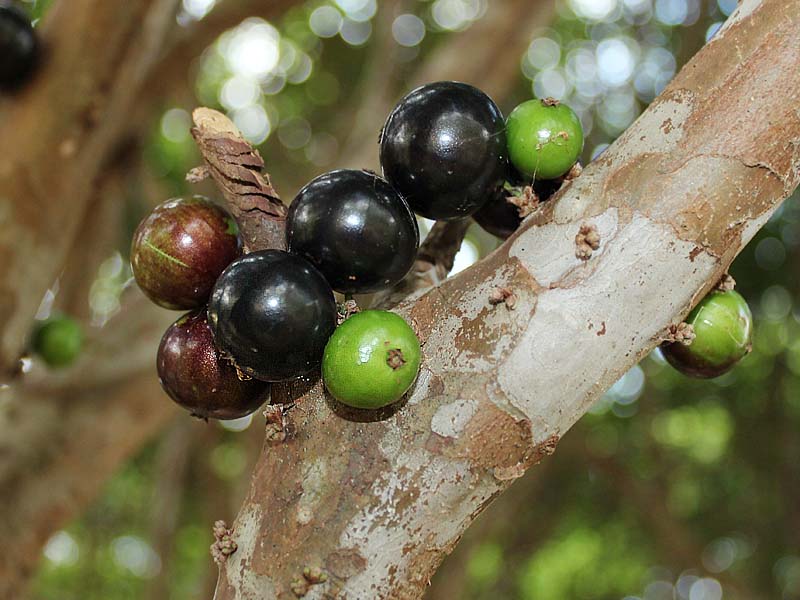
column 271, row 315
column 267, row 316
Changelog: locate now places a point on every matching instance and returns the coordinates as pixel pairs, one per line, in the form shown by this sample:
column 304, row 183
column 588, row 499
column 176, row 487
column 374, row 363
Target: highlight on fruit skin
column 198, row 378
column 19, row 46
column 58, row 341
column 371, row 360
column 723, row 328
column 180, row 249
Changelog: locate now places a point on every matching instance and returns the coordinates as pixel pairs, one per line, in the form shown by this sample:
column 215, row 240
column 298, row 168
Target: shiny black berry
column 273, row 313
column 19, row 48
column 195, row 376
column 444, row 149
column 355, row 228
column 500, row 216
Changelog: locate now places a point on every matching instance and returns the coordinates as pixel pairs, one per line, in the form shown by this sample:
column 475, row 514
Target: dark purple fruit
column 194, row 374
column 500, row 217
column 181, row 248
column 444, row 149
column 355, row 228
column 19, row 47
column 273, row 312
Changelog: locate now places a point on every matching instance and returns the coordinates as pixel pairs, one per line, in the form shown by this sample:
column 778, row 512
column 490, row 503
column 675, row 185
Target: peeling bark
column 376, row 504
column 236, row 168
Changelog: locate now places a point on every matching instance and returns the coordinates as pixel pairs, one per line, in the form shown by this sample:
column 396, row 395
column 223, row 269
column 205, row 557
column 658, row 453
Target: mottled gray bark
column 376, row 504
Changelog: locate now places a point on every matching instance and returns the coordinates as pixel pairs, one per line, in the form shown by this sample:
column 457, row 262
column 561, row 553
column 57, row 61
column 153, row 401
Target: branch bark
column 377, row 505
column 236, row 168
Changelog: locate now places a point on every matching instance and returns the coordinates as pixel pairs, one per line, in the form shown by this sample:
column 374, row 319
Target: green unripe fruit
column 58, row 341
column 371, row 360
column 545, row 138
column 723, row 328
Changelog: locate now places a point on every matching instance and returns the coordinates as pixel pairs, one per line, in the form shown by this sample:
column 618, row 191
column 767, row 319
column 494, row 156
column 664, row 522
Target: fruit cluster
column 267, row 316
column 446, row 153
column 271, row 315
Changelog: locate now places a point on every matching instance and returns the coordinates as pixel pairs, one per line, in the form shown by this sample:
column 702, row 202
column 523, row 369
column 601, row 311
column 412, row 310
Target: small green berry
column 545, row 138
column 371, row 360
column 58, row 341
column 723, row 328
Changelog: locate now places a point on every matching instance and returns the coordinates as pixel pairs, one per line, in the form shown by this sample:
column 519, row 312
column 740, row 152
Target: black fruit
column 195, row 376
column 444, row 149
column 19, row 48
column 500, row 217
column 273, row 313
column 355, row 228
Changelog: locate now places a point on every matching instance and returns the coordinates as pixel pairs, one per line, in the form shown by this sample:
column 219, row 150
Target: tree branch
column 377, row 505
column 56, row 457
column 187, row 42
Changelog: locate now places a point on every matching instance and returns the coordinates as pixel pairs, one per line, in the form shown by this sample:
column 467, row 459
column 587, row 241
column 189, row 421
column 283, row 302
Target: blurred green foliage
column 668, row 488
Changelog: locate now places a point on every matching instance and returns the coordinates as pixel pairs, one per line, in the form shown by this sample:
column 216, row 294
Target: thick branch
column 73, row 446
column 377, row 505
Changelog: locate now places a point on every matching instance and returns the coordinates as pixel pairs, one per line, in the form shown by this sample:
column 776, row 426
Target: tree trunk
column 376, row 504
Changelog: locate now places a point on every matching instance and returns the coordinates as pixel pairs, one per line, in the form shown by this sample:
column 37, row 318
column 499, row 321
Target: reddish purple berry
column 194, row 374
column 181, row 248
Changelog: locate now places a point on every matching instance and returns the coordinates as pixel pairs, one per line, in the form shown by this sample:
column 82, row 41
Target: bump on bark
column 525, row 199
column 276, row 428
column 682, row 333
column 726, row 283
column 587, row 241
column 573, row 173
column 223, row 545
column 346, row 310
column 503, row 295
